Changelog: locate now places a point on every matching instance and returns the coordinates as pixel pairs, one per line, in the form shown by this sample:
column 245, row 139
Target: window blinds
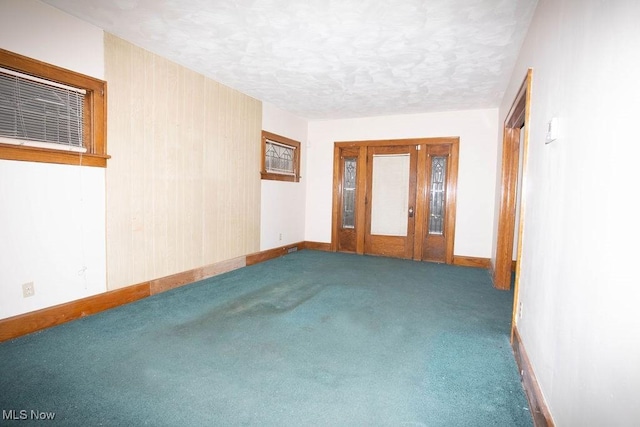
column 37, row 112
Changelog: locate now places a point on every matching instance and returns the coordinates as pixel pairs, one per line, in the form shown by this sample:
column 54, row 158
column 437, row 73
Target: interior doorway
column 396, row 198
column 514, row 152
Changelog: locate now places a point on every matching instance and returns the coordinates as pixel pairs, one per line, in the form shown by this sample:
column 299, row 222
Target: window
column 50, row 114
column 280, row 158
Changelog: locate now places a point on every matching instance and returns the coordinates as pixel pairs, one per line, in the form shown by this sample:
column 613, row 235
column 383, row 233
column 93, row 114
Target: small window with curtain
column 280, row 158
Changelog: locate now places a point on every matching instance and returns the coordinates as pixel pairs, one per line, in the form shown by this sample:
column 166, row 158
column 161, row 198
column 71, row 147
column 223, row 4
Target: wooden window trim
column 296, row 160
column 95, row 115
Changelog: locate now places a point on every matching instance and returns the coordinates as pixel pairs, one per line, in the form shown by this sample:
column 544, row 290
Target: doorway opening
column 514, row 161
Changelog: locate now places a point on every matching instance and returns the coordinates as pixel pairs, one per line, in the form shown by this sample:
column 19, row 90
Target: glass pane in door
column 349, row 193
column 390, row 194
column 437, row 194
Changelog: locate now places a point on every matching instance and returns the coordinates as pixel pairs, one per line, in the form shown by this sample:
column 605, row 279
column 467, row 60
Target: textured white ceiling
column 322, row 59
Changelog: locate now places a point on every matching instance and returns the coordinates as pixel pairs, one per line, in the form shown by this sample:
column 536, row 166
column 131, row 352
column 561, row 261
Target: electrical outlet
column 28, row 290
column 280, row 236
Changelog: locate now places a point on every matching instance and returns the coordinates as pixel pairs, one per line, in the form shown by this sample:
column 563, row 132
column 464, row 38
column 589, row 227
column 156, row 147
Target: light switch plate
column 552, row 130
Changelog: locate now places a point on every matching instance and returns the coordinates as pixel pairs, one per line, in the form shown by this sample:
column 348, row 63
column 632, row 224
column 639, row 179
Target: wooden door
column 391, row 200
column 360, row 234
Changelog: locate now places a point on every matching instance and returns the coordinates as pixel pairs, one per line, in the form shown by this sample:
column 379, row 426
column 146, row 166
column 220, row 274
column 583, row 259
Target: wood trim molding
column 469, row 261
column 523, row 200
column 452, row 197
column 187, row 277
column 537, row 405
column 337, row 194
column 422, row 202
column 517, row 117
column 392, row 142
column 44, row 155
column 262, row 256
column 23, row 324
column 317, row 246
column 361, row 204
column 27, row 323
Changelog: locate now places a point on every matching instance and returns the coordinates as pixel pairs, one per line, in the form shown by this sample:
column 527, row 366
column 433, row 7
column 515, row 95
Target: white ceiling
column 325, row 59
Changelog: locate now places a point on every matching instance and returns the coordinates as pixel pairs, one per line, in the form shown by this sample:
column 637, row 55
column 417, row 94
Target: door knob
column 410, row 212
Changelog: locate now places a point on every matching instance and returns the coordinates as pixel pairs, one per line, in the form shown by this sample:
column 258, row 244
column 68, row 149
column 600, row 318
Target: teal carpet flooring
column 309, row 339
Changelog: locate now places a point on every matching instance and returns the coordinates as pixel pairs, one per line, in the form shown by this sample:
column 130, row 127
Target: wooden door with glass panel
column 396, row 198
column 391, row 200
column 347, row 200
column 438, row 227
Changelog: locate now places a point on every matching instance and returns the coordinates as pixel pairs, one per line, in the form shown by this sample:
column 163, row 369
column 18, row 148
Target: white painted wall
column 282, row 204
column 578, row 285
column 52, row 217
column 478, row 132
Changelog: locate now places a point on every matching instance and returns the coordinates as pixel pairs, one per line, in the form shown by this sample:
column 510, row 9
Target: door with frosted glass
column 391, row 201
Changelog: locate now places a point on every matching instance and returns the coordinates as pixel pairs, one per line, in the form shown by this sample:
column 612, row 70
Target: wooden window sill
column 45, row 155
column 279, row 177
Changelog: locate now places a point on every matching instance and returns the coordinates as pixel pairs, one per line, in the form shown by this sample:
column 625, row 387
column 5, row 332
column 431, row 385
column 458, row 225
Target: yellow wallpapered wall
column 183, row 183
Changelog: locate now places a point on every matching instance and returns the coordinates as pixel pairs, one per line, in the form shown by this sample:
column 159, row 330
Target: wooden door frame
column 422, row 187
column 517, row 117
column 361, row 183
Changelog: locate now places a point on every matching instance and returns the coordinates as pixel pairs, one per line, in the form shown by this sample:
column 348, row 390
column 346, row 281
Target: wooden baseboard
column 27, row 323
column 186, row 277
column 317, row 246
column 537, row 405
column 262, row 256
column 468, row 261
